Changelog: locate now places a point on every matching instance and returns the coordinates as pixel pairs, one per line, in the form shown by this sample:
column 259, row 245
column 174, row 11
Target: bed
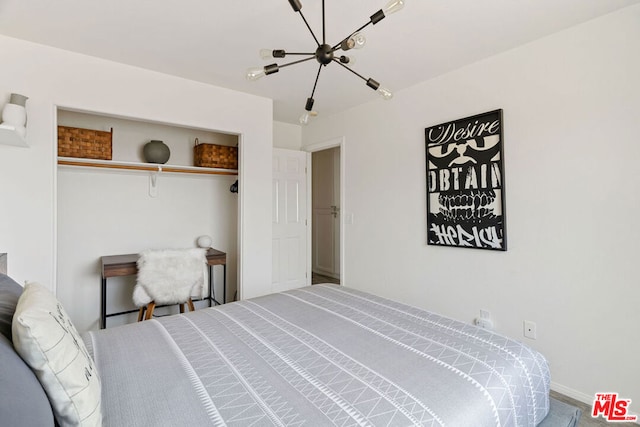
column 323, row 354
column 319, row 355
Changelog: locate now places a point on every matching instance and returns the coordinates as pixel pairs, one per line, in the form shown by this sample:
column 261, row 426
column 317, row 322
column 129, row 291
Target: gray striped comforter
column 315, row 356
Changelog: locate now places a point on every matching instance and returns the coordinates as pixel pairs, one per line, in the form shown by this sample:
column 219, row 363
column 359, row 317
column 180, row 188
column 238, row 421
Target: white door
column 326, row 212
column 289, row 212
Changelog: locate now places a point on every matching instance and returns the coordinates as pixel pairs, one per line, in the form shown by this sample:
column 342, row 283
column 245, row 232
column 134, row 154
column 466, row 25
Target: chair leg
column 150, row 308
column 181, row 308
column 141, row 313
column 190, row 304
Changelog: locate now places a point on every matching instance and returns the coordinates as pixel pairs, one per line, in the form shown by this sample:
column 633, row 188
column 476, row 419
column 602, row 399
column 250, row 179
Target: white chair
column 169, row 276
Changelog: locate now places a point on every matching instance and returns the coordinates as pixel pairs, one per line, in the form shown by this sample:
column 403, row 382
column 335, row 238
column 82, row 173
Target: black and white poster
column 465, row 183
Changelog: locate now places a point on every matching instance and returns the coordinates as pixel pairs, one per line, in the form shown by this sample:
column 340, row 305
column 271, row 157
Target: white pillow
column 47, row 340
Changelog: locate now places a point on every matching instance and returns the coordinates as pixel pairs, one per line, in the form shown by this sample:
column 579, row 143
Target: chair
column 167, row 277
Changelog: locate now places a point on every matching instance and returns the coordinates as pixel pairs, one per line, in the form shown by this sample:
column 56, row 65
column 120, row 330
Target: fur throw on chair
column 170, row 276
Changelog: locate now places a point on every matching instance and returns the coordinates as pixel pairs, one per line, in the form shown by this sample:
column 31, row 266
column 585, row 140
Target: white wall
column 53, row 77
column 286, row 135
column 115, row 211
column 571, row 125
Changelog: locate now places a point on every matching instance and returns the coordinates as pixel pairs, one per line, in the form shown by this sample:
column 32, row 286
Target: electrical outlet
column 484, row 314
column 530, row 329
column 483, row 323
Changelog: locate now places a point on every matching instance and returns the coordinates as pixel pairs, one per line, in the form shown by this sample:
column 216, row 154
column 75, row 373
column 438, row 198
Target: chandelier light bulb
column 308, row 112
column 385, row 93
column 266, row 53
column 359, row 39
column 393, row 6
column 255, row 73
column 304, row 118
column 354, row 41
column 349, row 61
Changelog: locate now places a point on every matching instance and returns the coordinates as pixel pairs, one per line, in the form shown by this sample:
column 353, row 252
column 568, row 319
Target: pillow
column 10, row 291
column 47, row 340
column 22, row 400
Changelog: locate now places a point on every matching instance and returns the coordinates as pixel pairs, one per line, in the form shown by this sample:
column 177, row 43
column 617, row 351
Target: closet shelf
column 110, row 164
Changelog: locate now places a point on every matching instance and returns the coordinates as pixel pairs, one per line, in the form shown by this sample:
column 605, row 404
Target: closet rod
column 158, row 168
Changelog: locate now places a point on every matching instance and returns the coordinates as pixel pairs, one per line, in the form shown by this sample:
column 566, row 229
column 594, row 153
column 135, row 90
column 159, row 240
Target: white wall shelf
column 109, row 164
column 9, row 136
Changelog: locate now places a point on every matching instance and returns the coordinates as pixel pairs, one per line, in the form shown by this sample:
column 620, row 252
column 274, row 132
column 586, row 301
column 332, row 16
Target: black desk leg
column 224, row 283
column 103, row 304
column 211, row 284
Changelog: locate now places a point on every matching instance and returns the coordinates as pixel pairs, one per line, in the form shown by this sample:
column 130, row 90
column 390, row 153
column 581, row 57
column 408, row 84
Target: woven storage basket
column 215, row 156
column 84, row 143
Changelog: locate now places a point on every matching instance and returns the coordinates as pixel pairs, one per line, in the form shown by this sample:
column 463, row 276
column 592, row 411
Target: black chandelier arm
column 296, row 62
column 299, row 53
column 313, row 92
column 324, row 27
column 309, row 27
column 337, row 61
column 310, row 30
column 281, row 53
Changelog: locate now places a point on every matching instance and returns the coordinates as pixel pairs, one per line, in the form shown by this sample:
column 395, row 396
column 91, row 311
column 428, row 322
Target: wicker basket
column 84, row 143
column 215, row 156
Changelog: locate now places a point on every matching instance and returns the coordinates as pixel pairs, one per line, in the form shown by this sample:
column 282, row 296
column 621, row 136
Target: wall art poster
column 465, row 183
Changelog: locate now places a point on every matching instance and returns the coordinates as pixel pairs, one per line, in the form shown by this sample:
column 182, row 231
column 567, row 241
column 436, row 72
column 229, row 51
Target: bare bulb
column 359, row 40
column 304, row 118
column 354, row 41
column 255, row 73
column 266, row 53
column 385, row 93
column 349, row 61
column 393, row 6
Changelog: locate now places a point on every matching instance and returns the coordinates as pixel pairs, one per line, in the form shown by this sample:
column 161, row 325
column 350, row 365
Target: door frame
column 319, row 146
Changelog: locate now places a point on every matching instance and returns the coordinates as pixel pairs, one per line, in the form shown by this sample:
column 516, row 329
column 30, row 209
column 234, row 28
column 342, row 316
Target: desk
column 126, row 265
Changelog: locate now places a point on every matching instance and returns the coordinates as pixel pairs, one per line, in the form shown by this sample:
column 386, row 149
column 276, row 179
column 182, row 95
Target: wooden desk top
column 126, row 265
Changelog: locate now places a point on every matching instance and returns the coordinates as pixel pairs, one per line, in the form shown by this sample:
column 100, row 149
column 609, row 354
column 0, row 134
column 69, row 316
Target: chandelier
column 325, row 54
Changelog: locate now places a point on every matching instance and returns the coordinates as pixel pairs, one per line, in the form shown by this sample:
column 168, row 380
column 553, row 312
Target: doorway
column 327, row 207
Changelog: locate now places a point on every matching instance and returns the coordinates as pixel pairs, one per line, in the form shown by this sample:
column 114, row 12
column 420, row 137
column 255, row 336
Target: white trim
column 574, row 394
column 54, row 183
column 241, row 203
column 331, row 143
column 309, row 179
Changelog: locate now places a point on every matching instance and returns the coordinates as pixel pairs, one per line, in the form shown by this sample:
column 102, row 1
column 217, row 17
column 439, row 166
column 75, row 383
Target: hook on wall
column 153, row 183
column 234, row 187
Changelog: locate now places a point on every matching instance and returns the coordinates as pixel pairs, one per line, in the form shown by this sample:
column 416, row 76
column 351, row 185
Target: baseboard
column 586, row 399
column 574, row 394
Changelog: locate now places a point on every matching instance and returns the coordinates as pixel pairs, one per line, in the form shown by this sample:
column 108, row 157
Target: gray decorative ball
column 156, row 151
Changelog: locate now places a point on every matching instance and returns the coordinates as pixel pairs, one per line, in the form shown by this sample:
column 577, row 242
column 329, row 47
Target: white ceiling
column 215, row 41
